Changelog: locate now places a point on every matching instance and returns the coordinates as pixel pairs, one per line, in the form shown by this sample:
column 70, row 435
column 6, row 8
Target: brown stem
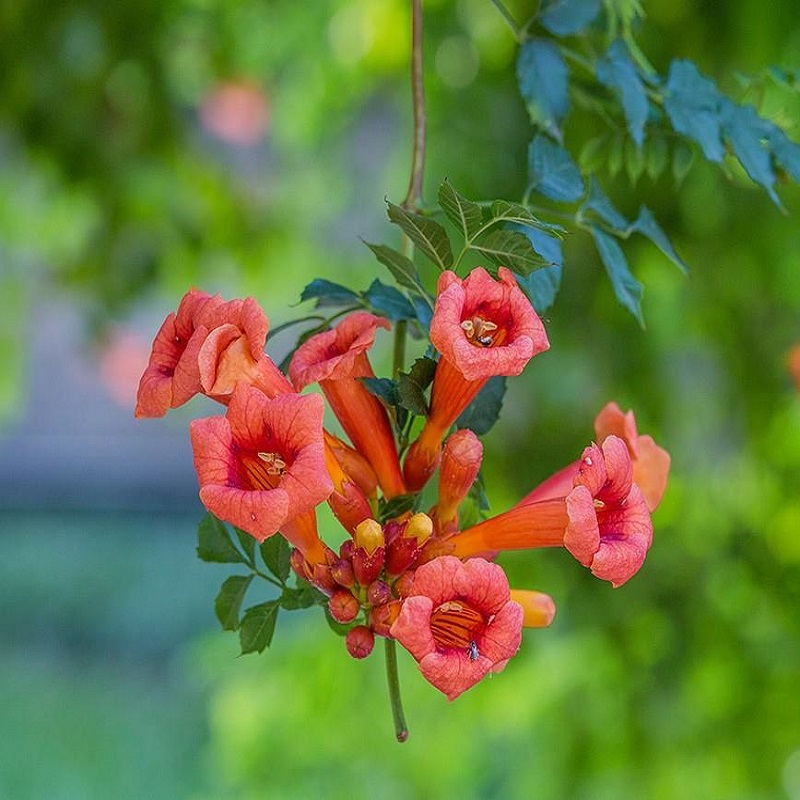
column 414, row 196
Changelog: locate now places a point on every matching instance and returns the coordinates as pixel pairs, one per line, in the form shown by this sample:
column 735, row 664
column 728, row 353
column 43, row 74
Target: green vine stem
column 392, row 678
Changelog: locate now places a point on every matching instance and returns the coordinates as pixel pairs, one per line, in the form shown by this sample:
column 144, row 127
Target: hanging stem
column 412, row 202
column 414, row 196
column 400, row 728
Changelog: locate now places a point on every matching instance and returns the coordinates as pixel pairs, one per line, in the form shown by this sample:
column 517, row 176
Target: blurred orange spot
column 236, row 112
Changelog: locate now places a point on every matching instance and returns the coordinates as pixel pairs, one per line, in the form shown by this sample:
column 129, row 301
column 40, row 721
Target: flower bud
column 360, row 641
column 367, row 566
column 379, row 593
column 382, row 617
column 346, row 549
column 342, row 572
column 419, row 527
column 369, row 535
column 402, row 586
column 461, row 461
column 343, row 606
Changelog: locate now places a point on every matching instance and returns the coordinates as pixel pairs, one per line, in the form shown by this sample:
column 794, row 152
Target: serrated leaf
column 503, row 211
column 383, row 388
column 401, row 267
column 422, row 371
column 258, row 626
column 276, row 554
column 599, row 203
column 544, row 84
column 618, row 71
column 748, row 137
column 692, row 104
column 543, row 284
column 616, row 150
column 229, row 600
column 389, row 302
column 214, row 543
column 512, row 249
column 626, row 288
column 646, row 224
column 429, row 236
column 411, row 395
column 552, row 172
column 248, row 545
column 463, row 213
column 567, row 17
column 482, row 413
column 327, row 293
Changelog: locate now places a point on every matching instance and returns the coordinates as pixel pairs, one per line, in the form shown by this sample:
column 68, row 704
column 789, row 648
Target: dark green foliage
column 258, row 626
column 482, row 413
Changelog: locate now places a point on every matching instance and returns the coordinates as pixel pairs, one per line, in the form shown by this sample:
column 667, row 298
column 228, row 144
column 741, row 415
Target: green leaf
column 617, row 71
column 389, row 302
column 482, row 413
column 411, row 396
column 327, row 293
column 510, row 249
column 337, row 627
column 503, row 211
column 593, row 154
column 552, row 172
column 276, row 553
column 389, row 509
column 656, row 156
column 543, row 284
column 682, row 158
column 786, row 152
column 422, row 371
column 544, row 84
column 304, row 596
column 646, row 224
column 692, row 104
column 748, row 137
column 463, row 213
column 599, row 203
column 429, row 236
column 626, row 288
column 383, row 388
column 567, row 17
column 229, row 600
column 401, row 267
column 248, row 545
column 258, row 626
column 634, row 161
column 215, row 544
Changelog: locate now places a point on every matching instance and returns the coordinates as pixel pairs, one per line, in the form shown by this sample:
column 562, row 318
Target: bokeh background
column 246, row 148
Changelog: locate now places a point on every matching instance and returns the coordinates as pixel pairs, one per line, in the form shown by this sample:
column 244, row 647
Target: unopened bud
column 402, row 586
column 359, row 641
column 378, row 593
column 382, row 617
column 419, row 527
column 369, row 535
column 342, row 572
column 343, row 606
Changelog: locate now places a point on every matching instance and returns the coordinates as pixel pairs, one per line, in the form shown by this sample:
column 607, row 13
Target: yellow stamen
column 479, row 331
column 275, row 464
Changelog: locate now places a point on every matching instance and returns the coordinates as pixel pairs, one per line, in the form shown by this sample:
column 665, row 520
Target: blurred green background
column 245, row 147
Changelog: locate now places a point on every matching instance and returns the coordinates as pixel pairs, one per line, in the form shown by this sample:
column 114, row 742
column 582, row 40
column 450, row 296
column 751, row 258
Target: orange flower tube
column 337, row 359
column 481, row 327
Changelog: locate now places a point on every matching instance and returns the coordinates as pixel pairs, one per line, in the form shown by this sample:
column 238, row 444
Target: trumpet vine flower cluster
column 408, row 572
